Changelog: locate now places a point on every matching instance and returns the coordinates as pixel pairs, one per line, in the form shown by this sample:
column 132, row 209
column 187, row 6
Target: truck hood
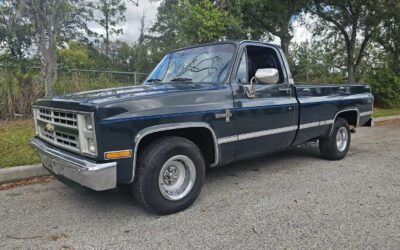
column 113, row 101
column 104, row 96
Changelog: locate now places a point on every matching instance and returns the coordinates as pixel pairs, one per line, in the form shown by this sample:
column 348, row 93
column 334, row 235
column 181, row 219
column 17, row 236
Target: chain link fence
column 21, row 86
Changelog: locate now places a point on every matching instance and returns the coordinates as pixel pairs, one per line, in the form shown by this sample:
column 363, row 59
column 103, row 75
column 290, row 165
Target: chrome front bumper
column 97, row 176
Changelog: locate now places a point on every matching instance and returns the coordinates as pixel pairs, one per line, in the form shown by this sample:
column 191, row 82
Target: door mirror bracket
column 249, row 90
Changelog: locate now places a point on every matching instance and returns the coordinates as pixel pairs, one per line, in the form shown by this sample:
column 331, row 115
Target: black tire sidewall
column 152, row 165
column 332, row 140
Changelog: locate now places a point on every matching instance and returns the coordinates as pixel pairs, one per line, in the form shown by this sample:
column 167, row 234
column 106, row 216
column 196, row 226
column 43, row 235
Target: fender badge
column 227, row 115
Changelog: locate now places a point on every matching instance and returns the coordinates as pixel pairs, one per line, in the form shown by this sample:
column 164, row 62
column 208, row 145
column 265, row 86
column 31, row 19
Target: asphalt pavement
column 292, row 200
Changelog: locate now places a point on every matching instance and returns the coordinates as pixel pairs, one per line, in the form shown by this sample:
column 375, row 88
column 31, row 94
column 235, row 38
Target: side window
column 262, row 57
column 241, row 75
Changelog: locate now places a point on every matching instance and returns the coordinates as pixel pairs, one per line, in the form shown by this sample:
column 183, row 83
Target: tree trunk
column 49, row 68
column 285, row 41
column 351, row 69
column 107, row 40
column 49, row 76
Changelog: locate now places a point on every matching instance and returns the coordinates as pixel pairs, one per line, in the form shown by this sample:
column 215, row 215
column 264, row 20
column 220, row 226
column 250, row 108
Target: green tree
column 351, row 19
column 386, row 88
column 54, row 22
column 202, row 21
column 186, row 22
column 388, row 34
column 165, row 31
column 317, row 61
column 261, row 17
column 15, row 32
column 109, row 14
column 75, row 56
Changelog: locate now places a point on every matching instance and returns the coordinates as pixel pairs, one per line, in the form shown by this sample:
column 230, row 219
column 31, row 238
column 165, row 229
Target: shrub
column 18, row 90
column 385, row 87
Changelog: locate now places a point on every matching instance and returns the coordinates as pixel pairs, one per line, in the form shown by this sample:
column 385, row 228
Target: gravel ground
column 288, row 200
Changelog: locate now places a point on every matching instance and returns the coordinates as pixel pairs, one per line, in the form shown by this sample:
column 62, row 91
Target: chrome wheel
column 177, row 177
column 342, row 138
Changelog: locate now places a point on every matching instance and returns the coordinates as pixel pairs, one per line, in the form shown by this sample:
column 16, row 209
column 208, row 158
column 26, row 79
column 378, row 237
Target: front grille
column 58, row 121
column 59, row 138
column 66, row 129
column 63, row 118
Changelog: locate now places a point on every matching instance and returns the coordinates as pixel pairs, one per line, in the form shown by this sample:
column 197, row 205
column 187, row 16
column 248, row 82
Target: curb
column 22, row 172
column 387, row 120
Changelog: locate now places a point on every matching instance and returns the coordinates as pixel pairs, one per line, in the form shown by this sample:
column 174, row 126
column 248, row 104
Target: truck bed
column 319, row 106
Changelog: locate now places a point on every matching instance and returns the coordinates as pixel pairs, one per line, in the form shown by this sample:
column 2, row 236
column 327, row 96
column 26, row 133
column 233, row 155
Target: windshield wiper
column 181, row 79
column 154, row 80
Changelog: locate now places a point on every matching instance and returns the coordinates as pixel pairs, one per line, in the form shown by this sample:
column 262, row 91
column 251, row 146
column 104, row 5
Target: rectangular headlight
column 87, row 135
column 88, row 122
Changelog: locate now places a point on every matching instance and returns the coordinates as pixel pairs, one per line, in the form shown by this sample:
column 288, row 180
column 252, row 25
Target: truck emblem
column 50, row 127
column 227, row 115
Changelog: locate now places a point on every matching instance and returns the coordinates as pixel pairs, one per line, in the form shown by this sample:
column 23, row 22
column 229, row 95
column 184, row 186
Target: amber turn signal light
column 117, row 154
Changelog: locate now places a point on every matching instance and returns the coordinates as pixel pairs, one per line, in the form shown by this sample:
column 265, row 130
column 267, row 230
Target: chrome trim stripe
column 63, row 110
column 309, row 125
column 316, row 124
column 256, row 134
column 266, row 132
column 327, row 122
column 227, row 139
column 366, row 113
column 261, row 133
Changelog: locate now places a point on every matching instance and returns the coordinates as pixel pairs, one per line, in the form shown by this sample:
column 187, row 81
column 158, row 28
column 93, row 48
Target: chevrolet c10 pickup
column 202, row 106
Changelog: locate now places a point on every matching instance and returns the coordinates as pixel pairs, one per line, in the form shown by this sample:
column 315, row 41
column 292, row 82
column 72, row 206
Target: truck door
column 266, row 121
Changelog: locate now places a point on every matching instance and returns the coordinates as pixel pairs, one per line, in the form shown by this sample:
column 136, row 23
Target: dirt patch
column 393, row 122
column 17, row 123
column 35, row 180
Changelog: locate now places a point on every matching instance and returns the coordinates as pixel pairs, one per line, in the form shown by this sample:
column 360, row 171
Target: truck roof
column 234, row 42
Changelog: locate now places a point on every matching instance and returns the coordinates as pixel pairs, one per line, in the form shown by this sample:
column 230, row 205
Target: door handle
column 286, row 90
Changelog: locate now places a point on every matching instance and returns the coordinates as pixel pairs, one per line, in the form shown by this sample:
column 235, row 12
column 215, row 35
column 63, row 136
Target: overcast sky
column 132, row 24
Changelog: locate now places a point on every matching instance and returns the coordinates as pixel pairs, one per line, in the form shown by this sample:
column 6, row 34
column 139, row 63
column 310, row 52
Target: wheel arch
column 184, row 130
column 352, row 116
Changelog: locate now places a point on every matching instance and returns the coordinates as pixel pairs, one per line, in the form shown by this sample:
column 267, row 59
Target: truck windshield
column 206, row 64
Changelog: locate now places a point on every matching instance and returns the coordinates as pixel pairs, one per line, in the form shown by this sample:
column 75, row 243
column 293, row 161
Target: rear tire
column 170, row 174
column 337, row 144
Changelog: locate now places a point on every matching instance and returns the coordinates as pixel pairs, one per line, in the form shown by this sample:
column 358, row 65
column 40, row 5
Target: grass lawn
column 14, row 148
column 385, row 112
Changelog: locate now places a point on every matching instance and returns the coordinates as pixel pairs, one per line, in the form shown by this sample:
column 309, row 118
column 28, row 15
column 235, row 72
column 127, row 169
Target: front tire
column 337, row 144
column 170, row 175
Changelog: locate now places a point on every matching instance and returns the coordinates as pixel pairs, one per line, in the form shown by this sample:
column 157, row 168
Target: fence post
column 134, row 78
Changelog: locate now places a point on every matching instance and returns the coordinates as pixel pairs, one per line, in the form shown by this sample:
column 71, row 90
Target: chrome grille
column 66, row 119
column 66, row 129
column 62, row 139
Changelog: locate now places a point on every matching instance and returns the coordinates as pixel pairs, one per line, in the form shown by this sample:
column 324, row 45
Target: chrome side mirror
column 268, row 76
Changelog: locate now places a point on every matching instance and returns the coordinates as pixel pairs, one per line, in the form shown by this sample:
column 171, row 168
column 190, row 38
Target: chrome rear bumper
column 97, row 176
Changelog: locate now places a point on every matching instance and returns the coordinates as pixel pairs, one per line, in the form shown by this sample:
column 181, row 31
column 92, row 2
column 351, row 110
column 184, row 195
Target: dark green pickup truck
column 206, row 105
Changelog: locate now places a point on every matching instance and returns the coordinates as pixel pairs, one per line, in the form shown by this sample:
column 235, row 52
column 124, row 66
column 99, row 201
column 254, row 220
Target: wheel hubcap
column 342, row 138
column 177, row 177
